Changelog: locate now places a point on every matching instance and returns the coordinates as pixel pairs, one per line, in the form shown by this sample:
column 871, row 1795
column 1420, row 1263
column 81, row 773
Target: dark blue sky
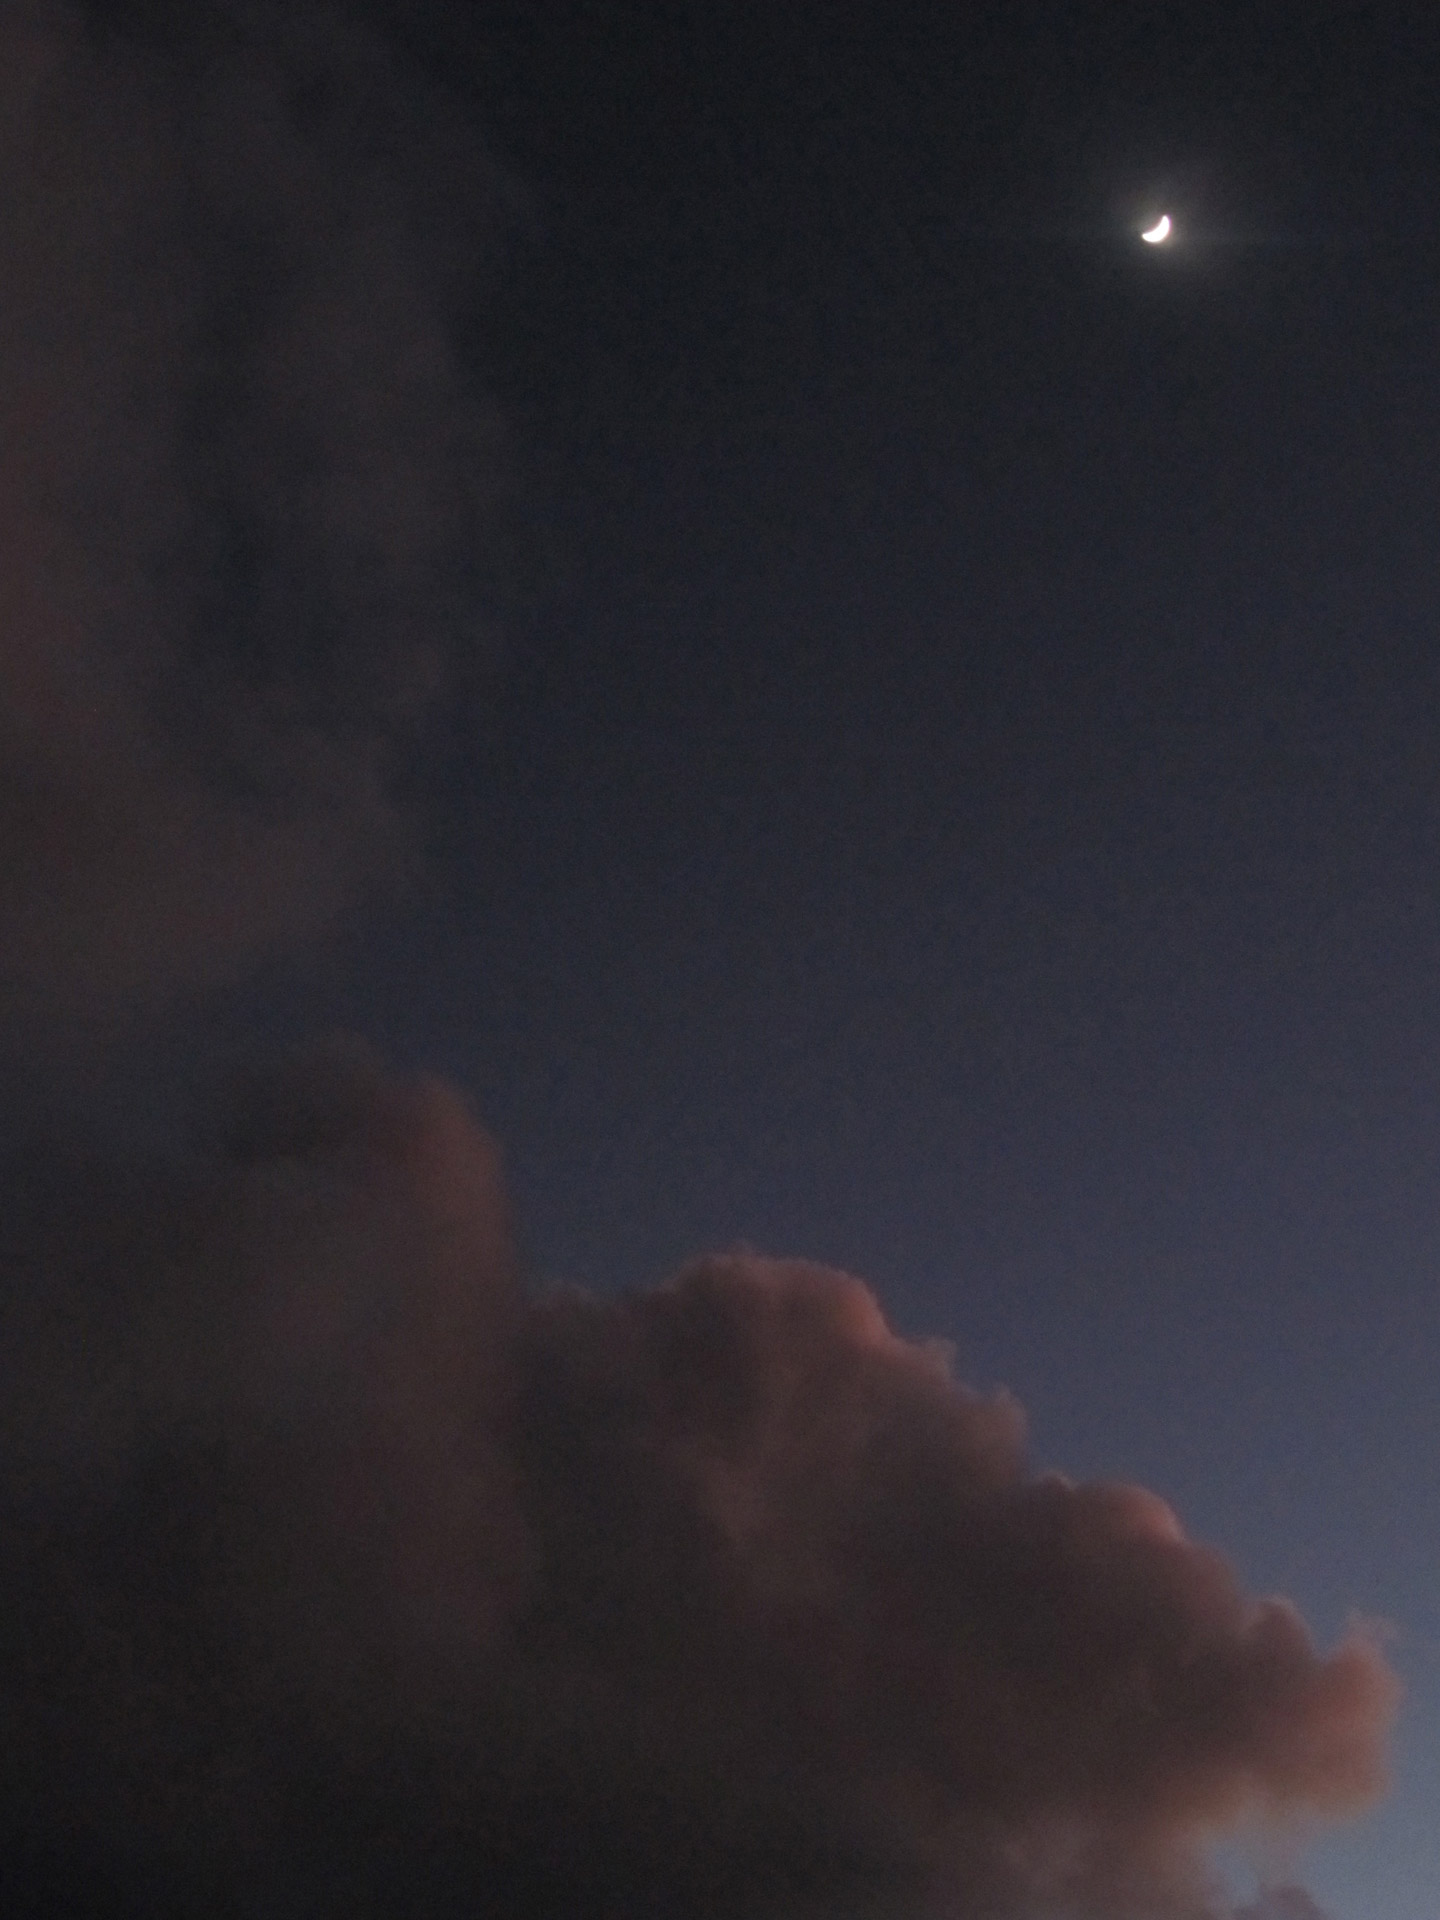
column 957, row 795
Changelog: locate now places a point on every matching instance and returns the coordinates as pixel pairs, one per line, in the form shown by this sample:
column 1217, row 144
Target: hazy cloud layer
column 340, row 1578
column 245, row 478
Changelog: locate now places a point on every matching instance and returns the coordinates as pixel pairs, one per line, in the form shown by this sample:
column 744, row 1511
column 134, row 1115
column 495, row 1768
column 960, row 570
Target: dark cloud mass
column 246, row 479
column 342, row 1578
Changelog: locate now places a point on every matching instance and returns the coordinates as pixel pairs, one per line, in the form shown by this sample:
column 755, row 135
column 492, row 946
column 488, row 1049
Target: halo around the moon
column 1160, row 231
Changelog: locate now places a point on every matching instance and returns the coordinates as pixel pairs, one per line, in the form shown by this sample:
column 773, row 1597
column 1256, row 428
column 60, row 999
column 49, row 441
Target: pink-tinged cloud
column 343, row 1578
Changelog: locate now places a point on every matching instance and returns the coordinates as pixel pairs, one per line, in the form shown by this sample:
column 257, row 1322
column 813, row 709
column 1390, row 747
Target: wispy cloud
column 246, row 477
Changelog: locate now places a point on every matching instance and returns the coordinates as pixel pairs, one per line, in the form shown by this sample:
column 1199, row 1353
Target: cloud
column 1281, row 1903
column 248, row 484
column 342, row 1577
column 338, row 1575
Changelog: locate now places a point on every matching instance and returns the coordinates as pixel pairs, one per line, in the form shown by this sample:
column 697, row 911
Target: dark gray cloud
column 247, row 479
column 340, row 1577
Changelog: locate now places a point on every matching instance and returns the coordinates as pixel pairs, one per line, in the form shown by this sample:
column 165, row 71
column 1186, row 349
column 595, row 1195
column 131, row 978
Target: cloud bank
column 247, row 480
column 342, row 1578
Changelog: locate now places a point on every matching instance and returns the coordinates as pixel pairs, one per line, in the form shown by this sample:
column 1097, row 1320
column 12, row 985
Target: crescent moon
column 1160, row 231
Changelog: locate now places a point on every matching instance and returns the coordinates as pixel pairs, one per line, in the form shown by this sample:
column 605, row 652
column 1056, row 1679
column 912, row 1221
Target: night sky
column 684, row 571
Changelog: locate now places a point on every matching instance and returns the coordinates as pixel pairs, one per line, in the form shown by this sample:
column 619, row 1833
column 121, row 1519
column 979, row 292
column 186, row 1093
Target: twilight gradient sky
column 949, row 785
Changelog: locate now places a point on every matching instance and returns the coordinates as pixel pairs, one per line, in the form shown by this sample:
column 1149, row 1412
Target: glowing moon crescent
column 1160, row 231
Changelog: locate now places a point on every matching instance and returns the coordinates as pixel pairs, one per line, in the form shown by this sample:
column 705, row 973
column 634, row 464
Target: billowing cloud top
column 1281, row 1903
column 342, row 1578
